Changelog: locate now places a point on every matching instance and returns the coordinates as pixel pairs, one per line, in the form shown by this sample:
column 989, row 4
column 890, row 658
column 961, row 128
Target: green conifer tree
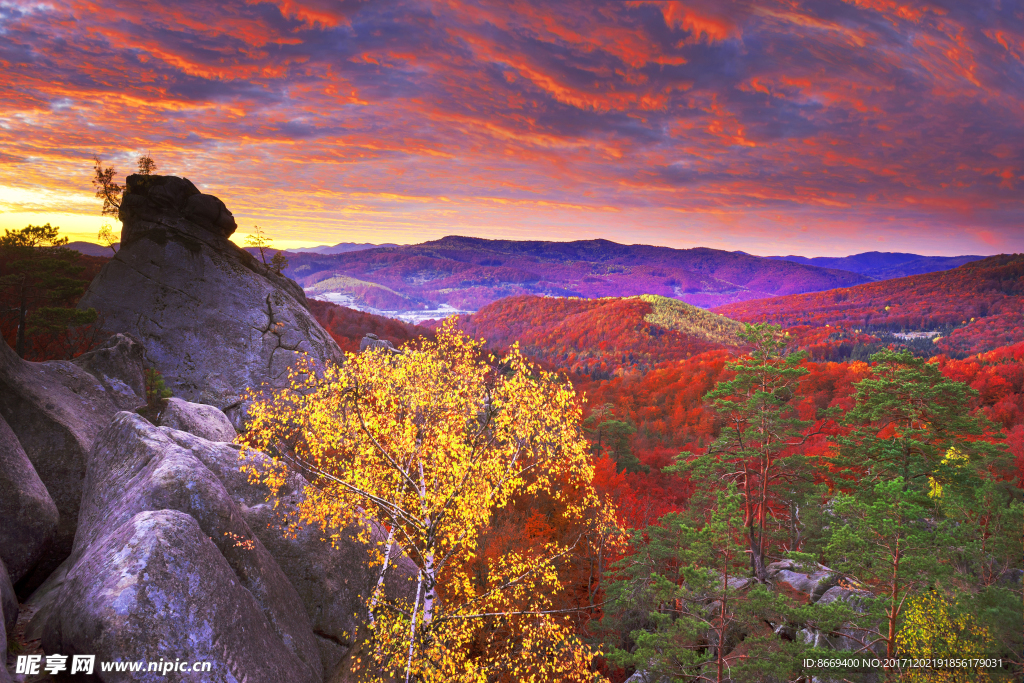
column 890, row 545
column 38, row 284
column 684, row 607
column 912, row 422
column 758, row 446
column 986, row 523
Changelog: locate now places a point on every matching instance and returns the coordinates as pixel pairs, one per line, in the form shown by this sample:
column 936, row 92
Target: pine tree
column 612, row 435
column 986, row 523
column 38, row 284
column 890, row 544
column 684, row 607
column 107, row 189
column 912, row 422
column 146, row 164
column 758, row 446
column 279, row 262
column 111, row 192
column 680, row 588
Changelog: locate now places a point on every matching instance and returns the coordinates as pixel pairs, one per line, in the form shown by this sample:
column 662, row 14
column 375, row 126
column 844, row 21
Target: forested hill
column 979, row 302
column 602, row 337
column 348, row 326
column 469, row 273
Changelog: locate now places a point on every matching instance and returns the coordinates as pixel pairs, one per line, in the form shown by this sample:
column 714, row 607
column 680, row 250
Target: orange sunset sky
column 814, row 127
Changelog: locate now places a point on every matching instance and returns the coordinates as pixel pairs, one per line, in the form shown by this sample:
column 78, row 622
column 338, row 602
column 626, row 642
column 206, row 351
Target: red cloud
column 521, row 113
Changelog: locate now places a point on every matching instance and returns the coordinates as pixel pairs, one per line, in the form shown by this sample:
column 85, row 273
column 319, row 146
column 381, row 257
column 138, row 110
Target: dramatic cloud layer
column 795, row 126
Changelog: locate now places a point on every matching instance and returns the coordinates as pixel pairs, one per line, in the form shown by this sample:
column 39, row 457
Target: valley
column 468, row 273
column 671, row 399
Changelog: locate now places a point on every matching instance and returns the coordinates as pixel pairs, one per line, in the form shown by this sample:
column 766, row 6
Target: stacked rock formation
column 212, row 319
column 127, row 530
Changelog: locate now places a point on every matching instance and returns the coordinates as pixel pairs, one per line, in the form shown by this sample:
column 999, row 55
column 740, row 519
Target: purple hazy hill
column 879, row 265
column 468, row 273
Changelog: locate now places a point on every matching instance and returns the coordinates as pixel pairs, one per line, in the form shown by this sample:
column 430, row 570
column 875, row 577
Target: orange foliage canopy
column 593, row 337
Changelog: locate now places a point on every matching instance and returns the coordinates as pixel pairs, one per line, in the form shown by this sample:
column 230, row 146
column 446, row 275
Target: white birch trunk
column 412, row 627
column 380, row 577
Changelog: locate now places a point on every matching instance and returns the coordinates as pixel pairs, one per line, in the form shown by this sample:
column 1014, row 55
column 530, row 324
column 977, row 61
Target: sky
column 813, row 127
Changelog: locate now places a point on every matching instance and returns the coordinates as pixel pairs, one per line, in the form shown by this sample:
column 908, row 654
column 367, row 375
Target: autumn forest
column 732, row 453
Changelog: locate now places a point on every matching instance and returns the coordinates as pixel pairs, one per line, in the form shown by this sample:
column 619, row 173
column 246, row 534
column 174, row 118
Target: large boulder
column 136, row 468
column 56, row 409
column 8, row 605
column 332, row 576
column 373, row 342
column 118, row 365
column 8, row 617
column 213, row 320
column 847, row 637
column 29, row 514
column 332, row 579
column 803, row 584
column 207, row 422
column 156, row 587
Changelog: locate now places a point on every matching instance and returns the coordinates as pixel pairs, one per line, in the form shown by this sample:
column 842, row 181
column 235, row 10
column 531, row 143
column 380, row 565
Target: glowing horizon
column 811, row 127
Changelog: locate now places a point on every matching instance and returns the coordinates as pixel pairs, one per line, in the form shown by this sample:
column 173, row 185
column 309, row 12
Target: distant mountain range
column 879, row 265
column 340, row 248
column 468, row 273
column 90, row 249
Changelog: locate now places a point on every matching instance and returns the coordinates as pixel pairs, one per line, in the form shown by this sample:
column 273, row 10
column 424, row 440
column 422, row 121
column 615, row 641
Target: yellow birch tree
column 429, row 443
column 937, row 628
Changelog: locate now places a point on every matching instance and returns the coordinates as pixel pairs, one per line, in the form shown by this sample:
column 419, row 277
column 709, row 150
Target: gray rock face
column 803, row 583
column 206, row 422
column 212, row 319
column 56, row 409
column 8, row 617
column 29, row 514
column 847, row 637
column 137, row 468
column 118, row 365
column 372, row 341
column 333, row 581
column 804, row 587
column 8, row 606
column 156, row 587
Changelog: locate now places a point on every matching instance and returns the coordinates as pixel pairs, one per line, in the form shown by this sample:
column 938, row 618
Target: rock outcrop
column 137, row 476
column 802, row 584
column 56, row 409
column 8, row 617
column 29, row 514
column 302, row 597
column 206, row 422
column 847, row 637
column 333, row 580
column 213, row 320
column 8, row 605
column 118, row 365
column 372, row 341
column 156, row 587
